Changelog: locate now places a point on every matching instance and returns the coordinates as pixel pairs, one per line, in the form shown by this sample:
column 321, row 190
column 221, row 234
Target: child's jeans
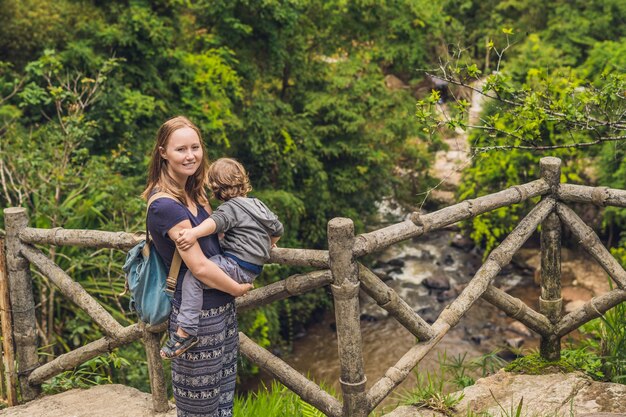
column 191, row 297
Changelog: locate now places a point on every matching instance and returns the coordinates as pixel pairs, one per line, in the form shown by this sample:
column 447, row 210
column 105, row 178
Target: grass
column 429, row 393
column 278, row 400
column 606, row 337
column 432, row 391
column 571, row 360
column 96, row 371
column 517, row 410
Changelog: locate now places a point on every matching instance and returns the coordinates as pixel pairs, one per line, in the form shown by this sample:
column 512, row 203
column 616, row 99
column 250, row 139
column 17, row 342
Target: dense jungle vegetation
column 296, row 90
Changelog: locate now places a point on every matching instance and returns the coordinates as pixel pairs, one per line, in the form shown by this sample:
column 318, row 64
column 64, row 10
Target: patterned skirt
column 203, row 378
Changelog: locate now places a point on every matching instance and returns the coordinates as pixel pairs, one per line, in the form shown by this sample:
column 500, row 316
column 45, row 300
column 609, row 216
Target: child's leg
column 233, row 270
column 244, row 276
column 190, row 305
column 187, row 319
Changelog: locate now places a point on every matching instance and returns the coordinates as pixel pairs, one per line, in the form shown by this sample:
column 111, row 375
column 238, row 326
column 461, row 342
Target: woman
column 203, row 377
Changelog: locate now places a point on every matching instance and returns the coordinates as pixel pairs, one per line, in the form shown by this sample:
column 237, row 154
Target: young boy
column 250, row 231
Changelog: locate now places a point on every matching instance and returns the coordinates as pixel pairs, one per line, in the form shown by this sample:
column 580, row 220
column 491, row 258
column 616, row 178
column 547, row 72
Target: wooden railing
column 340, row 269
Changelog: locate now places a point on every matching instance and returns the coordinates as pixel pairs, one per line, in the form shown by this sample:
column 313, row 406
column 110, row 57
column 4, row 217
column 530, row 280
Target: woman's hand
column 203, row 269
column 243, row 290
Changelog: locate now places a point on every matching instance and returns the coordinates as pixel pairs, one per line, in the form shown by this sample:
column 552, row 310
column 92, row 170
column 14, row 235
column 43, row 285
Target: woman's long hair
column 159, row 178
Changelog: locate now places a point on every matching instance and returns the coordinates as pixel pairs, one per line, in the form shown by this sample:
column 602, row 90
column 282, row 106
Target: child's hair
column 228, row 179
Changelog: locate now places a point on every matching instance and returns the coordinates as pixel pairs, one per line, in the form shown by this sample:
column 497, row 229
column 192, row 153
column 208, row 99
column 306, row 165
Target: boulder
column 99, row 401
column 408, row 411
column 462, row 242
column 394, row 83
column 515, row 342
column 544, row 394
column 574, row 305
column 519, row 328
column 382, row 274
column 551, row 394
column 437, row 282
column 450, row 293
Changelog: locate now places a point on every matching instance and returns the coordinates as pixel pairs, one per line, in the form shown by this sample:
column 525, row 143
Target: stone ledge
column 552, row 394
column 112, row 400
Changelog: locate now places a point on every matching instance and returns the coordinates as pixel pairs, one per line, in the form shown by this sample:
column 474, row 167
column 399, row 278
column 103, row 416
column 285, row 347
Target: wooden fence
column 339, row 268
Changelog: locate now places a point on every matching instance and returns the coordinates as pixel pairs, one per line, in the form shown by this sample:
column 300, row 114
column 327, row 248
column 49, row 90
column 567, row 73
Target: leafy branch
column 525, row 113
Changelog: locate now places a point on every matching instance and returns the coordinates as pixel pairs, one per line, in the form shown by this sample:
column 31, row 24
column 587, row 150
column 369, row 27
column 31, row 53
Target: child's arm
column 207, row 272
column 187, row 237
column 274, row 240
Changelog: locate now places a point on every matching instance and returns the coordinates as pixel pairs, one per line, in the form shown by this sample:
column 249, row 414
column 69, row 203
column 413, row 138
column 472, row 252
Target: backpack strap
column 172, row 276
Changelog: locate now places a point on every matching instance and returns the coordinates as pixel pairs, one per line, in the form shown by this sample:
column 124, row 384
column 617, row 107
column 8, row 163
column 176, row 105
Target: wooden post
column 8, row 355
column 3, row 396
column 152, row 343
column 345, row 290
column 551, row 302
column 22, row 302
column 4, row 309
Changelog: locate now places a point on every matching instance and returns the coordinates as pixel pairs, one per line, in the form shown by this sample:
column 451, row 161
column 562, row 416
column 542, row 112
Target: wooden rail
column 339, row 268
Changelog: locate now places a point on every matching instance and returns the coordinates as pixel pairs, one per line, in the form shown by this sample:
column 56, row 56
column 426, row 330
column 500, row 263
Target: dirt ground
column 100, row 401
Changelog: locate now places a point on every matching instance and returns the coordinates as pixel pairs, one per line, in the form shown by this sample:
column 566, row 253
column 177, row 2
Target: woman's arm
column 205, row 270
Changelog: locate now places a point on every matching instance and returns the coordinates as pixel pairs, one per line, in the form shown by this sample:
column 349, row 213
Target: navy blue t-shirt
column 165, row 213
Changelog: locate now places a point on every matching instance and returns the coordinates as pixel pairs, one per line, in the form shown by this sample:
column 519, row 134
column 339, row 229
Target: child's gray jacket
column 248, row 225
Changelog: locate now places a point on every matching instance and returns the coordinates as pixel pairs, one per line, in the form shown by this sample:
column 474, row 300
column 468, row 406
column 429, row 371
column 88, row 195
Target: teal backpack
column 151, row 288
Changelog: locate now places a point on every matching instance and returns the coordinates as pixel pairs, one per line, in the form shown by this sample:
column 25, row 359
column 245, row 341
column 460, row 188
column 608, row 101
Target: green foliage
column 429, row 392
column 357, row 148
column 544, row 97
column 606, row 337
column 436, row 390
column 463, row 373
column 277, row 400
column 208, row 86
column 96, row 371
column 580, row 359
column 27, row 27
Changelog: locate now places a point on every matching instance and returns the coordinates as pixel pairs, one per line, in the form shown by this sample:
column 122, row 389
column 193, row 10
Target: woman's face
column 183, row 153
